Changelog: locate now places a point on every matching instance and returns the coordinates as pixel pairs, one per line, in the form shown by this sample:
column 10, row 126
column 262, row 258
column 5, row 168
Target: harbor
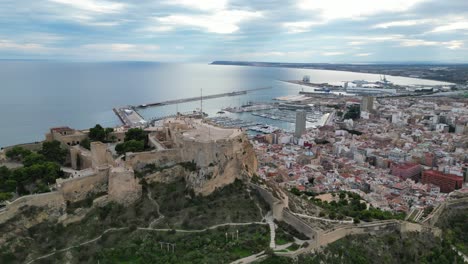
column 199, row 98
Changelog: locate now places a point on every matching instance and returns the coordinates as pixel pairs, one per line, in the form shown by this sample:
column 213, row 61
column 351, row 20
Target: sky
column 350, row 31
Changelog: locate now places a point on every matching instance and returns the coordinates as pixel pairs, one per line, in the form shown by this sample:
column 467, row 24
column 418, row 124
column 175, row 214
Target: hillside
column 111, row 231
column 385, row 249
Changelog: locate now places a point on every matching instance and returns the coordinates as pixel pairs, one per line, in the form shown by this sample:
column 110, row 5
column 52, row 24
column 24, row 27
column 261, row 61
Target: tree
column 135, row 134
column 295, row 191
column 107, row 133
column 86, row 143
column 342, row 195
column 5, row 196
column 130, row 146
column 97, row 133
column 33, row 158
column 52, row 151
column 354, row 112
column 17, row 153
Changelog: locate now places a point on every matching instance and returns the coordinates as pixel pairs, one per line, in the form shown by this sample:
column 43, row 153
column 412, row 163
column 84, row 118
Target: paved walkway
column 324, row 219
column 271, row 224
column 250, row 259
column 465, row 258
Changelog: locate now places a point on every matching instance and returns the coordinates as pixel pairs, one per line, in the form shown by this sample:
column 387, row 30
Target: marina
column 251, row 107
column 228, row 122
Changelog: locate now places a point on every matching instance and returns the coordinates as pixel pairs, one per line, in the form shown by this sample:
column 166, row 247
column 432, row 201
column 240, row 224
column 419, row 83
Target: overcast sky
column 262, row 30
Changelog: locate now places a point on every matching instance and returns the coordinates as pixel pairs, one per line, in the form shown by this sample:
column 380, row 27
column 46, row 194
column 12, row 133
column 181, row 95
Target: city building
column 300, row 123
column 446, row 182
column 406, row 170
column 367, row 104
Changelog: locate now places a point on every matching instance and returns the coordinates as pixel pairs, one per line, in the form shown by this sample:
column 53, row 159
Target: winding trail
column 161, row 216
column 79, row 245
column 268, row 218
column 201, row 230
column 146, row 229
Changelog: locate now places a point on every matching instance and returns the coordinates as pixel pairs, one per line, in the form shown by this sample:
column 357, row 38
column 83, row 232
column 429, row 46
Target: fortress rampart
column 77, row 189
column 53, row 201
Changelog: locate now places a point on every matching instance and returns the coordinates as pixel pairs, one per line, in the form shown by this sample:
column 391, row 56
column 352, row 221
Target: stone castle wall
column 124, row 187
column 78, row 189
column 100, row 155
column 159, row 158
column 53, row 201
column 80, row 158
column 299, row 224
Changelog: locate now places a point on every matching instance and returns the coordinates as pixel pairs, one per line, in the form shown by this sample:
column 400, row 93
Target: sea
column 38, row 95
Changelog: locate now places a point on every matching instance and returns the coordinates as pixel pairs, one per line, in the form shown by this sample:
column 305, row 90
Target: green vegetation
column 86, row 143
column 17, row 153
column 349, row 204
column 454, row 224
column 283, row 236
column 290, row 231
column 98, row 133
column 183, row 209
column 354, row 112
column 190, row 166
column 130, row 146
column 40, row 169
column 136, row 140
column 47, row 236
column 141, row 246
column 153, row 168
column 52, row 151
column 386, row 249
column 137, row 134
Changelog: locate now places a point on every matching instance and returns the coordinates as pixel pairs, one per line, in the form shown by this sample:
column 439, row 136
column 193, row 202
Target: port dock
column 198, row 98
column 130, row 117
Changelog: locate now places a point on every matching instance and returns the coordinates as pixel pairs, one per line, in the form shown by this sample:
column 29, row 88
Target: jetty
column 198, row 98
column 130, row 117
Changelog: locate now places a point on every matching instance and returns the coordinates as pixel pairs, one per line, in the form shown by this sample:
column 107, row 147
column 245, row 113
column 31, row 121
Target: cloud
column 222, row 22
column 333, row 53
column 402, row 23
column 206, row 5
column 453, row 45
column 300, row 26
column 459, row 25
column 121, row 47
column 93, row 5
column 363, row 54
column 123, row 51
column 339, row 9
column 273, row 30
column 359, row 40
column 6, row 44
column 403, row 41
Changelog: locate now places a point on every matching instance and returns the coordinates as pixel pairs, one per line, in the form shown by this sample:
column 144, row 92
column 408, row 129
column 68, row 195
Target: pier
column 130, row 117
column 198, row 98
